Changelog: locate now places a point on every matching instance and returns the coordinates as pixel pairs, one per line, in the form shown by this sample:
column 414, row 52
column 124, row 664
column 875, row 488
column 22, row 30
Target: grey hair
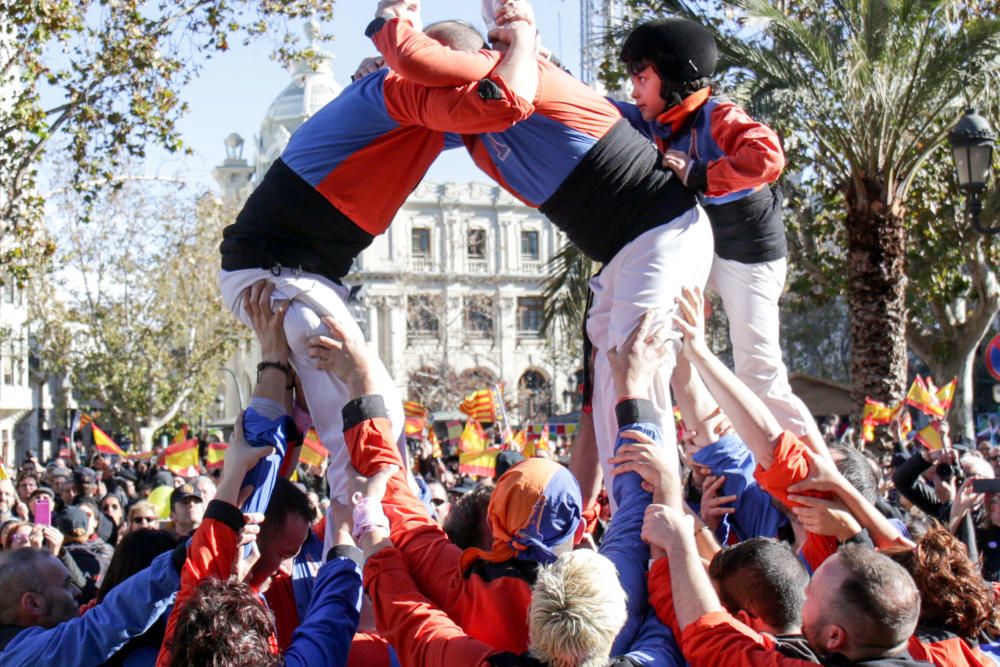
column 19, row 574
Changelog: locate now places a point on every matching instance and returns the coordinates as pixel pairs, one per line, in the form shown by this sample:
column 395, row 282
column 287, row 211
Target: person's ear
column 745, row 618
column 34, row 604
column 835, row 639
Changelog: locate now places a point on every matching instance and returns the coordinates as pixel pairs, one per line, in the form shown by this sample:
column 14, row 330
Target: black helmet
column 679, row 49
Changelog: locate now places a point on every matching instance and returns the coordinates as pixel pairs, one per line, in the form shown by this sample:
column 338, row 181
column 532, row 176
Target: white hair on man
column 577, row 610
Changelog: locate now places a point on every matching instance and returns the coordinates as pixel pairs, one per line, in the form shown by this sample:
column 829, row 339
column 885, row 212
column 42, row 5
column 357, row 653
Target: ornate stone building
column 449, row 296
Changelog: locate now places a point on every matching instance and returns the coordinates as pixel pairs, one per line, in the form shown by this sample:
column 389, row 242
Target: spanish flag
column 181, row 435
column 3, row 471
column 435, row 444
column 104, row 444
column 480, row 405
column 946, row 395
column 215, row 455
column 923, row 399
column 414, row 426
column 182, row 458
column 476, row 457
column 313, row 452
column 930, row 437
column 874, row 414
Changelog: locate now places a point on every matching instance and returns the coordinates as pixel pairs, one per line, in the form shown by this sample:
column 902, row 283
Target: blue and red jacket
column 735, row 159
column 574, row 159
column 348, row 169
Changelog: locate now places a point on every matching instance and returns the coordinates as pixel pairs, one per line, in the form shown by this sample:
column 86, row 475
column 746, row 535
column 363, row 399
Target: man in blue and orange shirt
column 337, row 184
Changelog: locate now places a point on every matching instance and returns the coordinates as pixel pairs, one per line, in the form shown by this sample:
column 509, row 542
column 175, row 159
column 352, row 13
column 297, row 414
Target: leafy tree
column 865, row 92
column 102, row 79
column 140, row 328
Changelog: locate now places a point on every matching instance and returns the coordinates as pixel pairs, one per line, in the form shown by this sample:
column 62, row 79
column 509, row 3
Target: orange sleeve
column 421, row 633
column 661, row 595
column 790, row 467
column 424, row 60
column 482, row 106
column 719, row 639
column 211, row 554
column 753, row 152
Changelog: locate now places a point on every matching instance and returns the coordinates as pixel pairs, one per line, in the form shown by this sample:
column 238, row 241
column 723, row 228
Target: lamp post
column 972, row 142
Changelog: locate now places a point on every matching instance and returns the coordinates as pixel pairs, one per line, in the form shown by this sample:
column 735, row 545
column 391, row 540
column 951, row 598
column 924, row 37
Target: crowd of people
column 745, row 535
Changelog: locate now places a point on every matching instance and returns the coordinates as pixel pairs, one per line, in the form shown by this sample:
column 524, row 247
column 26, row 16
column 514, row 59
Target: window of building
column 475, row 244
column 420, row 242
column 479, row 315
column 422, row 317
column 530, row 313
column 529, row 245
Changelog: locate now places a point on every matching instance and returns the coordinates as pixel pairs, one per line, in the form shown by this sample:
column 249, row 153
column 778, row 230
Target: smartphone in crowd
column 43, row 512
column 986, row 485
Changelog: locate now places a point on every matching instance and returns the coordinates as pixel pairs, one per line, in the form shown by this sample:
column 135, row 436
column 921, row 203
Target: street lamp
column 972, row 145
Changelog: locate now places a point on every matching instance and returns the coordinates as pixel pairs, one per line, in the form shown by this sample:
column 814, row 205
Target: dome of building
column 312, row 87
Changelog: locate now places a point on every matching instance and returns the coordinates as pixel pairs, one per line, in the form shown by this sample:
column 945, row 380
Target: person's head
column 223, row 623
column 534, row 512
column 287, row 521
column 75, row 524
column 204, row 487
column 668, row 60
column 953, row 594
column 111, row 506
column 439, row 500
column 861, row 604
column 857, row 470
column 186, row 509
column 16, row 535
column 57, row 478
column 762, row 583
column 93, row 512
column 84, row 483
column 467, row 524
column 456, row 34
column 35, row 589
column 975, row 466
column 134, row 553
column 8, row 497
column 142, row 514
column 26, row 483
column 577, row 609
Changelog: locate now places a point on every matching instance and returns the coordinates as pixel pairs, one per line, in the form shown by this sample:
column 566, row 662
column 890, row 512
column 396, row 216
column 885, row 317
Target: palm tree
column 865, row 92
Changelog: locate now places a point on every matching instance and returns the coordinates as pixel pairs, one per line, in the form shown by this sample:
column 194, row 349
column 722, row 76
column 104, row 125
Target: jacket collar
column 676, row 117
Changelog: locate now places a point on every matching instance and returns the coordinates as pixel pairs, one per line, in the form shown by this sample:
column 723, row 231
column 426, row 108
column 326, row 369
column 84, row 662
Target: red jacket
column 489, row 601
column 946, row 650
column 422, row 634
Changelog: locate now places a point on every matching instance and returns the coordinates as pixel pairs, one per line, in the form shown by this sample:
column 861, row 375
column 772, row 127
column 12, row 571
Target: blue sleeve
column 655, row 645
column 324, row 637
column 305, row 568
column 623, row 544
column 631, row 113
column 452, row 140
column 262, row 431
column 128, row 611
column 755, row 515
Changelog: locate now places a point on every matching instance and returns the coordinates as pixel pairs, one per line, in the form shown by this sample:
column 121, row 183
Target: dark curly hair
column 953, row 594
column 223, row 625
column 466, row 524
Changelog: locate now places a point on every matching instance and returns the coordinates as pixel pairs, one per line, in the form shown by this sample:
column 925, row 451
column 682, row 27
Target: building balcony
column 15, row 399
column 481, row 266
column 531, row 267
column 422, row 265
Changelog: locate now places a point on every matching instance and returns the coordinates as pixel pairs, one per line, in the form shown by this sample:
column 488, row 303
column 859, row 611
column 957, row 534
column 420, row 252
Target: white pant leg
column 750, row 295
column 647, row 274
column 313, row 297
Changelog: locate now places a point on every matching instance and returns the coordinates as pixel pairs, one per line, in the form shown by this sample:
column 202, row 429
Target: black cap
column 182, row 493
column 163, row 478
column 464, row 486
column 43, row 491
column 84, row 476
column 505, row 461
column 72, row 522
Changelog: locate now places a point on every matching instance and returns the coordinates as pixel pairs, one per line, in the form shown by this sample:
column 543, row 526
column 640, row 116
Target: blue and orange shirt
column 348, row 169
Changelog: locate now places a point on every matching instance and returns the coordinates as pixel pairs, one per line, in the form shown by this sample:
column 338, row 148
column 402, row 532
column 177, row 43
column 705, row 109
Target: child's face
column 646, row 93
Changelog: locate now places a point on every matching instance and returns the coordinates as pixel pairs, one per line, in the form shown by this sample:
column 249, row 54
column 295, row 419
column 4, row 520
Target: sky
column 234, row 89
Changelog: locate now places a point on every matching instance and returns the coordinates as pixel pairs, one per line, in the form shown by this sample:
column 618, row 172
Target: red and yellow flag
column 435, row 444
column 182, row 458
column 480, row 405
column 104, row 444
column 313, row 452
column 414, row 409
column 414, row 426
column 181, row 435
column 930, row 437
column 215, row 455
column 923, row 399
column 946, row 395
column 875, row 413
column 476, row 457
column 3, row 471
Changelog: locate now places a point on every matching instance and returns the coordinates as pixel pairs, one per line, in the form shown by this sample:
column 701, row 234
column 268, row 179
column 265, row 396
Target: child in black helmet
column 730, row 160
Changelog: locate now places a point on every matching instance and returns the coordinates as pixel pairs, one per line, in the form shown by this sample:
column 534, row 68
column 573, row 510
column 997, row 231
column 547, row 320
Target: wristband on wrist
column 368, row 516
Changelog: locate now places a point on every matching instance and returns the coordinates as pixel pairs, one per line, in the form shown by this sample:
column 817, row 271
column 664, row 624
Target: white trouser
column 647, row 274
column 313, row 297
column 750, row 294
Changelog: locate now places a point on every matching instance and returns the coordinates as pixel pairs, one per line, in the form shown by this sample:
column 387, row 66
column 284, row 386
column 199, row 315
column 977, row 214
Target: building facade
column 449, row 297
